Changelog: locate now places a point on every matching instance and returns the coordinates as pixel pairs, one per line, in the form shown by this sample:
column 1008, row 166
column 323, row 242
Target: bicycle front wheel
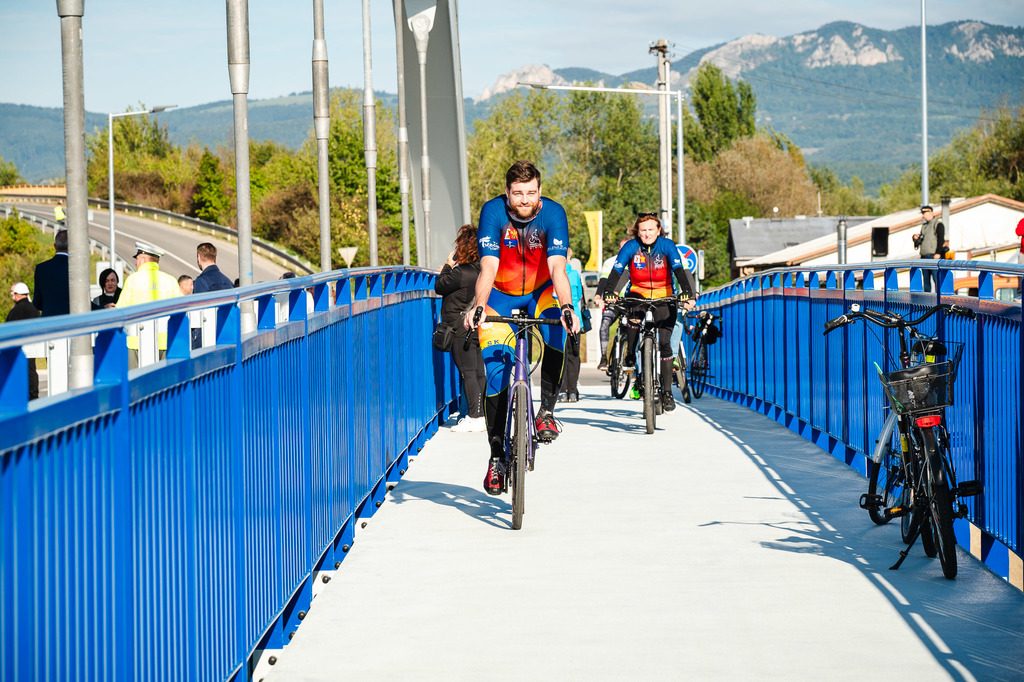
column 647, row 355
column 620, row 378
column 699, row 369
column 520, row 454
column 940, row 504
column 684, row 385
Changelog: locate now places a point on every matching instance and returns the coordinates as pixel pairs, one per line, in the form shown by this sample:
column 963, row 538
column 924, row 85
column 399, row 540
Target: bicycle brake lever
column 958, row 309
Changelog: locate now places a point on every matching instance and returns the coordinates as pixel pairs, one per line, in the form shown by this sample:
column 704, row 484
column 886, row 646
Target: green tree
column 9, row 174
column 724, row 112
column 210, row 202
column 21, row 247
column 708, row 229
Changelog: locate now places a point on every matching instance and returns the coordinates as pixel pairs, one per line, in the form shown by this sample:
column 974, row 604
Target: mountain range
column 847, row 94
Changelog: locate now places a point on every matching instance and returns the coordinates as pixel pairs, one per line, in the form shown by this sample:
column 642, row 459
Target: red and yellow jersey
column 522, row 248
column 650, row 267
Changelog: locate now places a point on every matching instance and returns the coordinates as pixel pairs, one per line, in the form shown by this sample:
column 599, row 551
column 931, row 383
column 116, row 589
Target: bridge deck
column 722, row 546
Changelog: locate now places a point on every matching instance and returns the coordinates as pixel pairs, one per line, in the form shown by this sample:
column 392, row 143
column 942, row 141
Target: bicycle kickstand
column 915, row 533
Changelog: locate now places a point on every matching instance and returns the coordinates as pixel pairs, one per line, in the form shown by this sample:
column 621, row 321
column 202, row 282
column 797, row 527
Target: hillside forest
column 597, row 151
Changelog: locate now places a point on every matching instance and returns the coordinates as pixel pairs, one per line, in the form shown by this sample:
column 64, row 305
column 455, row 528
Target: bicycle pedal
column 869, row 501
column 969, row 488
column 896, row 512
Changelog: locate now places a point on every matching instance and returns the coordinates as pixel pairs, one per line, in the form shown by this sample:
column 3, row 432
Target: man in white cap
column 24, row 310
column 147, row 284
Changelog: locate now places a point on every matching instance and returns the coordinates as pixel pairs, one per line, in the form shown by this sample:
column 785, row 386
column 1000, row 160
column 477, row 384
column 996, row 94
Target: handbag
column 585, row 325
column 444, row 337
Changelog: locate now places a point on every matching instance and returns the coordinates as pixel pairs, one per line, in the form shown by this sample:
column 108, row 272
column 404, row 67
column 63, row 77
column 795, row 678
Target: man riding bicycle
column 652, row 260
column 522, row 238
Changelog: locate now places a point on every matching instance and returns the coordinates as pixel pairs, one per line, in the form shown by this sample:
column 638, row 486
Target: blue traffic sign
column 689, row 257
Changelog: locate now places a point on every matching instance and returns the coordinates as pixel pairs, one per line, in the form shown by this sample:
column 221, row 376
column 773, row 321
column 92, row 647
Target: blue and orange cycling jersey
column 522, row 247
column 650, row 267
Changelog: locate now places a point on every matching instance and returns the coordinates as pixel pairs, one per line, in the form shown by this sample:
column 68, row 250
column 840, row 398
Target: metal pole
column 369, row 135
column 403, row 140
column 70, row 13
column 322, row 128
column 924, row 111
column 238, row 73
column 667, row 137
column 110, row 186
column 681, row 188
column 420, row 25
column 841, row 240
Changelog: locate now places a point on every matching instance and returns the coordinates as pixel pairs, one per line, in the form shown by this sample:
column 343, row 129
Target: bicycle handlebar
column 893, row 320
column 525, row 321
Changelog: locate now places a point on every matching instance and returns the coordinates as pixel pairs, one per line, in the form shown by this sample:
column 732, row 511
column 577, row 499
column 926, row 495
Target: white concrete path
column 720, row 547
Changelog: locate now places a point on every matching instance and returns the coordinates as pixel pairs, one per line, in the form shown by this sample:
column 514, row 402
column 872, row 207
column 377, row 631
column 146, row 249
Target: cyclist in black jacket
column 457, row 285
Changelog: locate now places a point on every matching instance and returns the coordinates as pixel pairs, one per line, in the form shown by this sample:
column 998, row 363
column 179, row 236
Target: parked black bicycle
column 916, row 481
column 704, row 333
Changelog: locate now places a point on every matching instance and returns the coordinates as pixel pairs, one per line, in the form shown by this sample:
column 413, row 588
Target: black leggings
column 471, row 370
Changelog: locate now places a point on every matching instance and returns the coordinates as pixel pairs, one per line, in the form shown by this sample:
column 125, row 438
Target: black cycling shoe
column 668, row 403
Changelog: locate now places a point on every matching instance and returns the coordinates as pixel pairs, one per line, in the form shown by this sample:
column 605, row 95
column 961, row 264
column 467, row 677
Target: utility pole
column 70, row 13
column 664, row 136
column 322, row 128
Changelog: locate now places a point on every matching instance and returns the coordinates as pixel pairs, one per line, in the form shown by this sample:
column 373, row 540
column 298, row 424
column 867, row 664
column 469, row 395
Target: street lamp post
column 110, row 167
column 678, row 94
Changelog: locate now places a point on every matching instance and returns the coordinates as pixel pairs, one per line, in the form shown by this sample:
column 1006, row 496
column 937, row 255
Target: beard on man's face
column 525, row 210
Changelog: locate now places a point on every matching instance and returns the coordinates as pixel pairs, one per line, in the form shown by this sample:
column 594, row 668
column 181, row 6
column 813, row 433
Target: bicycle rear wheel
column 620, row 378
column 647, row 356
column 940, row 505
column 520, row 454
column 699, row 369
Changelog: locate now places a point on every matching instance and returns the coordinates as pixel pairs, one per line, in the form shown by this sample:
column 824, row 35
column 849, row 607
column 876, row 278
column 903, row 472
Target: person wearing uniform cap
column 24, row 310
column 145, row 285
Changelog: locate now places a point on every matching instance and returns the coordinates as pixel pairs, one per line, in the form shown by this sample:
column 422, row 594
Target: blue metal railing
column 167, row 522
column 774, row 359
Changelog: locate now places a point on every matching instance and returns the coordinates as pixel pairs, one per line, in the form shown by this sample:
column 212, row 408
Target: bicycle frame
column 520, row 377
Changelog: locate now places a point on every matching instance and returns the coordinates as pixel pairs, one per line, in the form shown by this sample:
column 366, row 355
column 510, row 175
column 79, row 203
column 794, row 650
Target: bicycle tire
column 620, row 379
column 885, row 476
column 647, row 358
column 886, row 481
column 684, row 385
column 520, row 454
column 940, row 504
column 699, row 369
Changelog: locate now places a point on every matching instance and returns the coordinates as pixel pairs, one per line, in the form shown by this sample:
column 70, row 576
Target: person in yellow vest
column 145, row 285
column 58, row 213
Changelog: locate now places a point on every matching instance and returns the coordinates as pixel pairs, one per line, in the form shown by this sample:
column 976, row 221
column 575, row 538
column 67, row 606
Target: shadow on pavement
column 971, row 625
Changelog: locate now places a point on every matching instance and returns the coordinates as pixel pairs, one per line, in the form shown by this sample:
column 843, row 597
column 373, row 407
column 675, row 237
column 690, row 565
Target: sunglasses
column 649, row 214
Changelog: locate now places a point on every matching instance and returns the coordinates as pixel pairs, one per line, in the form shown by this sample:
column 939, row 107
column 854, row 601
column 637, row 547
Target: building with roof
column 977, row 228
column 751, row 238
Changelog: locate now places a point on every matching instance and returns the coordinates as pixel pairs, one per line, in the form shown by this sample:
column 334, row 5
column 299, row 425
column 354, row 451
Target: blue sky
column 175, row 52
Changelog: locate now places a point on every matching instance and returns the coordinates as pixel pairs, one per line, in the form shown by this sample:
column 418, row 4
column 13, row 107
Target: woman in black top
column 457, row 285
column 109, row 290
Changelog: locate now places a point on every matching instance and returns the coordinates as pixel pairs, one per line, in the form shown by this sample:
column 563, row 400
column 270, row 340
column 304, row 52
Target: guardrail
column 774, row 359
column 213, row 228
column 174, row 522
column 94, row 246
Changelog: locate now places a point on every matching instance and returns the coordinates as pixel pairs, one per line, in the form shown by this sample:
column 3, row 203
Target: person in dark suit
column 24, row 310
column 211, row 278
column 51, row 280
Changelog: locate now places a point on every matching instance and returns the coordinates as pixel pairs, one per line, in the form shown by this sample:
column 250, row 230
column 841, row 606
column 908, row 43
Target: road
column 178, row 243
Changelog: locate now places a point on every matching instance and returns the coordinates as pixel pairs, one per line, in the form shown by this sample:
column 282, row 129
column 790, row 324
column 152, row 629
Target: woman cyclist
column 652, row 260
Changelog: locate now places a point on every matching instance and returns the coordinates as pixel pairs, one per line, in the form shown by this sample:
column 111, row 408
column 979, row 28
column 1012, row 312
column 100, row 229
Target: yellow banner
column 594, row 227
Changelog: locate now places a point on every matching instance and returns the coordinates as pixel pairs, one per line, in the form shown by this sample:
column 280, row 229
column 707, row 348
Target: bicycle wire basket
column 925, row 387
